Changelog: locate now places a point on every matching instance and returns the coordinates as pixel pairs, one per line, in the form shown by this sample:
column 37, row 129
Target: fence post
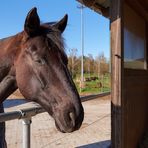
column 26, row 132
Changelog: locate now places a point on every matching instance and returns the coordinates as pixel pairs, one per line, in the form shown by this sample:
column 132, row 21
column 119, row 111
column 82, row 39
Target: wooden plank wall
column 129, row 95
column 135, row 106
column 135, row 103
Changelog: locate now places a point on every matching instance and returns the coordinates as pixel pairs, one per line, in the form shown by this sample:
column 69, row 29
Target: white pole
column 81, row 7
column 82, row 45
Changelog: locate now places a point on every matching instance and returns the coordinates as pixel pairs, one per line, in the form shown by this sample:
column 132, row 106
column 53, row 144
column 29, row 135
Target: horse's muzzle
column 70, row 122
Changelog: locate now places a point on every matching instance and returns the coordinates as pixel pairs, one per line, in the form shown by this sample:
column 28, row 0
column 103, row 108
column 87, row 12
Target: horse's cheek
column 23, row 79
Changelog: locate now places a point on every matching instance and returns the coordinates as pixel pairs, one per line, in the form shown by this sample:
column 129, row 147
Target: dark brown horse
column 35, row 62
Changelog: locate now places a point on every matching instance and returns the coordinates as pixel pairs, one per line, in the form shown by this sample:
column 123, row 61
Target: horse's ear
column 32, row 22
column 61, row 25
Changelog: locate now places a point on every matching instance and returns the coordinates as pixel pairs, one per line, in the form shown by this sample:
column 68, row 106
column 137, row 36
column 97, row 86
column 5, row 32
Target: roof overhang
column 100, row 6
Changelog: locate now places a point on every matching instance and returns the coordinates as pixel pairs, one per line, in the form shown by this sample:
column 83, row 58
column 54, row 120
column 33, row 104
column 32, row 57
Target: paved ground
column 94, row 133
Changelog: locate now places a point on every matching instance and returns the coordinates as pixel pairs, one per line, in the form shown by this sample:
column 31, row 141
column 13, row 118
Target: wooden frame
column 116, row 13
column 129, row 88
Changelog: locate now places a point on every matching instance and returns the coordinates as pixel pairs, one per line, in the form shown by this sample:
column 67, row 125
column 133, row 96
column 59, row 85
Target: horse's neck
column 8, row 49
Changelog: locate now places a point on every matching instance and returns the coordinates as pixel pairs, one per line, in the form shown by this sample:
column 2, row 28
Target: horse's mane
column 54, row 36
column 3, row 39
column 49, row 23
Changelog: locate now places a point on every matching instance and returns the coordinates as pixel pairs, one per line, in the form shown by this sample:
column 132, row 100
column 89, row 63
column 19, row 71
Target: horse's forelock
column 53, row 35
column 56, row 39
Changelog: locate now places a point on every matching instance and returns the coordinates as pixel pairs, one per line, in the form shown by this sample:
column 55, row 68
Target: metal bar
column 90, row 97
column 24, row 113
column 10, row 116
column 30, row 112
column 26, row 132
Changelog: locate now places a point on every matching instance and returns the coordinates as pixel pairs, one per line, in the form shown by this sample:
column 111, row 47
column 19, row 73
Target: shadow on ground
column 102, row 144
column 14, row 102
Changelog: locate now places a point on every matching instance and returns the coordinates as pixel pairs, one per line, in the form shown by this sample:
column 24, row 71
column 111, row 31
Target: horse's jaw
column 66, row 121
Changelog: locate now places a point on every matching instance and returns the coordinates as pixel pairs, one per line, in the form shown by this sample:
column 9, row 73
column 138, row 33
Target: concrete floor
column 94, row 133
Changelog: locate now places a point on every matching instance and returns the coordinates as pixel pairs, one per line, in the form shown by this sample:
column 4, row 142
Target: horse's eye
column 40, row 61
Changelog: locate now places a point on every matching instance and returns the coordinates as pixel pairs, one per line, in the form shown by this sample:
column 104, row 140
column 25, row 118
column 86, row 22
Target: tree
column 102, row 64
column 89, row 64
column 73, row 61
column 99, row 65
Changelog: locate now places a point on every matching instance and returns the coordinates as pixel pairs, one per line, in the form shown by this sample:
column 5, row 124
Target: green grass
column 92, row 87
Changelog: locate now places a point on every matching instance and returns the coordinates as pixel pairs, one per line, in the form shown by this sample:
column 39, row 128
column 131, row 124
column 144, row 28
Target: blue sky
column 96, row 27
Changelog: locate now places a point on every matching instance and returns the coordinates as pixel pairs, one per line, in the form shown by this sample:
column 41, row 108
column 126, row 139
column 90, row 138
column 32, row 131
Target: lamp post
column 81, row 7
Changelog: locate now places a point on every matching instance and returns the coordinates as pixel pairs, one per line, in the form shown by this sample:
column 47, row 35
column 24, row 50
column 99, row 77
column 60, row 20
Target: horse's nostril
column 72, row 118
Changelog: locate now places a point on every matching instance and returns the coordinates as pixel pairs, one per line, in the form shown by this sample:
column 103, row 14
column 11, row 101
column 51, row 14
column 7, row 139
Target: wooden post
column 116, row 72
column 2, row 130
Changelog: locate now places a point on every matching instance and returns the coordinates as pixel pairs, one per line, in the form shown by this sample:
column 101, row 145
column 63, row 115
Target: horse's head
column 42, row 74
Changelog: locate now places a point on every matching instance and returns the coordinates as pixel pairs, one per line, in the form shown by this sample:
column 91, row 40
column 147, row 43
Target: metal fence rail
column 26, row 114
column 21, row 114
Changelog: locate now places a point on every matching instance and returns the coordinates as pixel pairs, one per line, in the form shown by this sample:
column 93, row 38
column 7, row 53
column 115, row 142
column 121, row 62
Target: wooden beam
column 98, row 8
column 140, row 6
column 117, row 70
column 92, row 4
column 88, row 3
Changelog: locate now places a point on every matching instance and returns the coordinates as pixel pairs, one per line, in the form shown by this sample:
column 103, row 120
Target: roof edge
column 97, row 6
